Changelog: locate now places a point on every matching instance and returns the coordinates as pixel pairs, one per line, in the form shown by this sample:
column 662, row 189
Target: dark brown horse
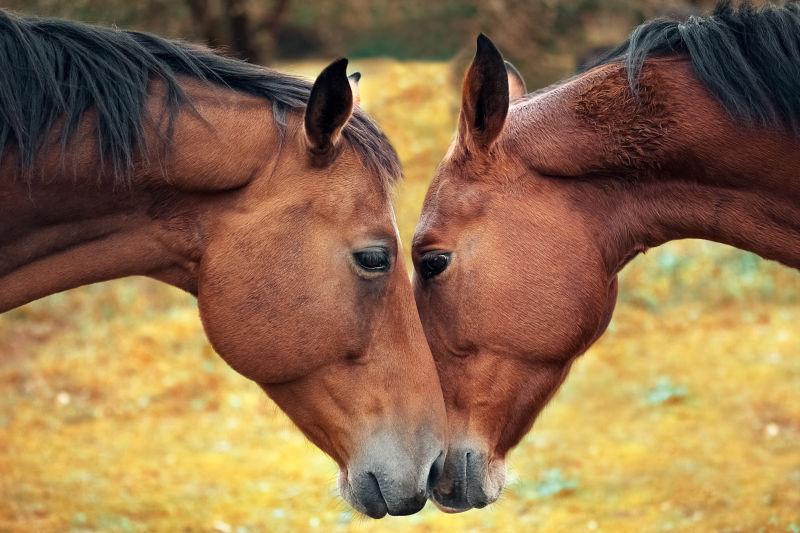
column 126, row 154
column 687, row 130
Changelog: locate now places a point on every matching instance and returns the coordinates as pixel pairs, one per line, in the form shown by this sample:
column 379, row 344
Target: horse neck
column 62, row 228
column 746, row 195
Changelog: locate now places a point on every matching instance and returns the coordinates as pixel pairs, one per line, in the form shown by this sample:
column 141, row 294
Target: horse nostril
column 376, row 487
column 436, row 471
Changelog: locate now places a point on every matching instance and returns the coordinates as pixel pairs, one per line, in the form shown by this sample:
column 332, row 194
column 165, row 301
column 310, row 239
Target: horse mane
column 54, row 69
column 747, row 57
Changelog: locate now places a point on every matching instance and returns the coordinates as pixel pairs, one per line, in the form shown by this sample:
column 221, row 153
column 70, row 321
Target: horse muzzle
column 469, row 480
column 386, row 479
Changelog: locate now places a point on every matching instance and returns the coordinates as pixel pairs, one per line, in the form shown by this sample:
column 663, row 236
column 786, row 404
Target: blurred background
column 116, row 415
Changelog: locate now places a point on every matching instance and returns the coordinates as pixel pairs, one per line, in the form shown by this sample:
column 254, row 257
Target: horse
column 265, row 197
column 686, row 130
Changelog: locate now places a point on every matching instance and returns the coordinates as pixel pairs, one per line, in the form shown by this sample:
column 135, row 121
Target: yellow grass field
column 116, row 415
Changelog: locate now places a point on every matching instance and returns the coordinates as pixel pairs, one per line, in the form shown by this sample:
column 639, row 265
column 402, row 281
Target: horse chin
column 449, row 510
column 495, row 480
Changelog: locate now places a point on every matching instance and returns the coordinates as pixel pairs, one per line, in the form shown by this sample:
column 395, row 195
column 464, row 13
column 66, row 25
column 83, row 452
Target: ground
column 116, row 415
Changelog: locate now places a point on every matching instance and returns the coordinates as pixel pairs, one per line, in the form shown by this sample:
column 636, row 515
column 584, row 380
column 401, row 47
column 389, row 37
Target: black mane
column 51, row 69
column 749, row 58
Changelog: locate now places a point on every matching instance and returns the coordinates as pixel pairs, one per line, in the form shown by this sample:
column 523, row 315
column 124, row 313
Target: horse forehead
column 345, row 189
column 364, row 198
column 451, row 204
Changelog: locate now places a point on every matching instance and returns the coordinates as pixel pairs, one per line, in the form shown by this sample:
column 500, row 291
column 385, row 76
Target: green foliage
column 689, row 271
column 547, row 38
column 665, row 391
column 551, row 483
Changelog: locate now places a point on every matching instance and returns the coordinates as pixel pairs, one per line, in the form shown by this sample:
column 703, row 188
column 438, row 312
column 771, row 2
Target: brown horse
column 687, row 130
column 127, row 154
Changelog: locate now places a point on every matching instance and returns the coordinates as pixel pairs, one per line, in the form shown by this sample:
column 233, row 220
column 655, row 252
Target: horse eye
column 373, row 259
column 433, row 263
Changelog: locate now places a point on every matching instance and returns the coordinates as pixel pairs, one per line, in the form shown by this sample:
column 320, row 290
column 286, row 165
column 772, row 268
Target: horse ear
column 354, row 78
column 484, row 97
column 330, row 105
column 516, row 83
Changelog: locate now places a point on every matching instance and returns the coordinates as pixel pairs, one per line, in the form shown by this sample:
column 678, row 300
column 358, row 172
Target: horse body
column 543, row 199
column 265, row 197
